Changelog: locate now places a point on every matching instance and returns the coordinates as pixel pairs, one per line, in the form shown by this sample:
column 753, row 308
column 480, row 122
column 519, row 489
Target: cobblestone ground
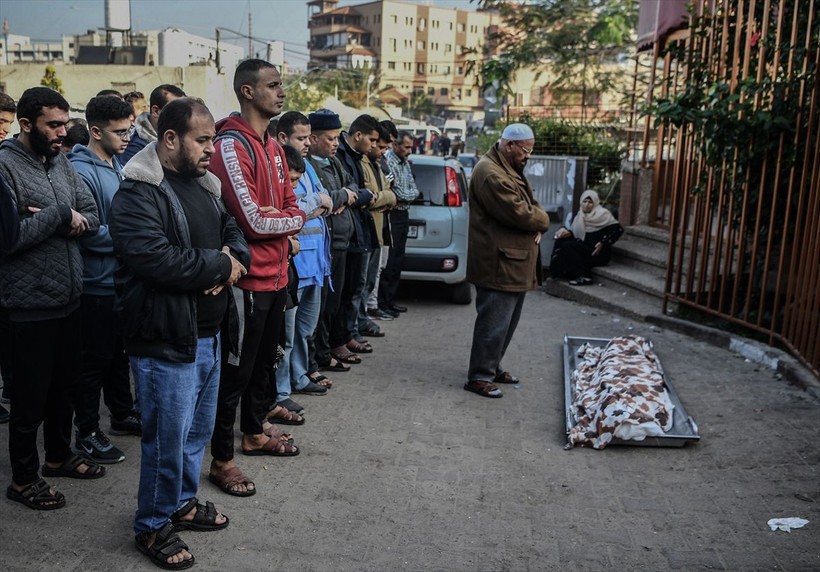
column 401, row 469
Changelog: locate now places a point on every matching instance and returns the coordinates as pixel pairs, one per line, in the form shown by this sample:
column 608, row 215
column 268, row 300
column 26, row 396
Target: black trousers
column 391, row 275
column 341, row 327
column 47, row 362
column 330, row 306
column 105, row 366
column 249, row 382
column 6, row 352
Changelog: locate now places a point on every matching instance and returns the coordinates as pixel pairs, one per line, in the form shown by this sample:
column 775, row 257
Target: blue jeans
column 178, row 408
column 498, row 314
column 300, row 323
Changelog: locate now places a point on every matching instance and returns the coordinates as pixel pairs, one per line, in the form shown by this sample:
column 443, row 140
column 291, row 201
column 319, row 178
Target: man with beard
column 256, row 188
column 506, row 224
column 40, row 286
column 105, row 365
column 180, row 252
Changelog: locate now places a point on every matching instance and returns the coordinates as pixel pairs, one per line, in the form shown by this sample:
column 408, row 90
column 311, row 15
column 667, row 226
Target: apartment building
column 414, row 48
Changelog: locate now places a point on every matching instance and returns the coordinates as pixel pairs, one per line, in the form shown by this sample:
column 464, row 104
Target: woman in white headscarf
column 586, row 244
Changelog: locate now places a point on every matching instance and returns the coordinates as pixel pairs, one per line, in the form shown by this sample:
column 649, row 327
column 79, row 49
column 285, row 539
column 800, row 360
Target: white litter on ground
column 786, row 524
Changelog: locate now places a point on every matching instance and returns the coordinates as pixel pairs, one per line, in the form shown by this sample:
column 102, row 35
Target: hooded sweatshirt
column 97, row 249
column 144, row 134
column 250, row 183
column 42, row 276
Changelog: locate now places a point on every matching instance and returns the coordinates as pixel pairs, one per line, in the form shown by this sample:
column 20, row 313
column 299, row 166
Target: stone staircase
column 633, row 282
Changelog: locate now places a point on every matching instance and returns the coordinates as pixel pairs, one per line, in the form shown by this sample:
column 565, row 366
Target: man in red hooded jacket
column 257, row 191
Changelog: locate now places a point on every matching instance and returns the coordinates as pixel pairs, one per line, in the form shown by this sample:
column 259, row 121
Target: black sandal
column 69, row 469
column 204, row 520
column 166, row 544
column 37, row 496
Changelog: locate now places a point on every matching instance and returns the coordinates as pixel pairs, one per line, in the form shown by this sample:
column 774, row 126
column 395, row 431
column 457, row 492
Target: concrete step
column 625, row 277
column 647, row 254
column 649, row 233
column 607, row 296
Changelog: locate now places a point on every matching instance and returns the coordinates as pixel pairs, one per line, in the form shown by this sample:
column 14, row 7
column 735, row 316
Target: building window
column 448, row 48
column 446, row 70
column 391, row 65
column 420, row 69
column 395, row 19
column 469, row 93
column 393, row 43
column 444, row 91
column 420, row 45
column 422, row 24
column 451, row 26
column 458, row 93
column 431, row 91
column 459, row 70
column 460, row 26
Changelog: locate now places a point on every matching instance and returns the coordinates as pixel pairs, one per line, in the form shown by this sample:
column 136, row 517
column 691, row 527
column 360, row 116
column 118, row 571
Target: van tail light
column 453, row 196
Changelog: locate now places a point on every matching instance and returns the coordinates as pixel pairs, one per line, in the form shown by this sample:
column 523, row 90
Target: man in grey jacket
column 40, row 286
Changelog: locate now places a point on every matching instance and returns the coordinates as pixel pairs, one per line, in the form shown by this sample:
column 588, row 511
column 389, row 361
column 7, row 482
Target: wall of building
column 81, row 83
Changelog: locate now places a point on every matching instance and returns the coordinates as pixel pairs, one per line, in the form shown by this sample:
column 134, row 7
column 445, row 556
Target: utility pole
column 217, row 57
column 250, row 34
column 6, row 34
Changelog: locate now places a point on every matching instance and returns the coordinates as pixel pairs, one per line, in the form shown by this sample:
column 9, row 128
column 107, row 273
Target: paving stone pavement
column 401, row 469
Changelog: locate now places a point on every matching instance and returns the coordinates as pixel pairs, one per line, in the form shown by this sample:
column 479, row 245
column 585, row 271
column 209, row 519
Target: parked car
column 439, row 219
column 468, row 161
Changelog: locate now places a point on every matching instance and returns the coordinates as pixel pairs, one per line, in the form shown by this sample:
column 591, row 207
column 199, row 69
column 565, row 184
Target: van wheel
column 461, row 293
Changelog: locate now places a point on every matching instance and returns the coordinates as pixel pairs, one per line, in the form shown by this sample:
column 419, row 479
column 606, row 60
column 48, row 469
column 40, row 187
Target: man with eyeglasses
column 105, row 365
column 506, row 224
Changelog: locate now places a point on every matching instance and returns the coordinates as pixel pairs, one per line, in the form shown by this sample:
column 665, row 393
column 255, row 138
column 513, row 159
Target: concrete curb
column 788, row 367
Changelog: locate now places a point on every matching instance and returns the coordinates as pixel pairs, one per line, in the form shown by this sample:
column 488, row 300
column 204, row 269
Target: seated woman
column 588, row 243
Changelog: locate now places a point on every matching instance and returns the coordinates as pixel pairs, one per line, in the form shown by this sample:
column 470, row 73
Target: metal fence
column 744, row 214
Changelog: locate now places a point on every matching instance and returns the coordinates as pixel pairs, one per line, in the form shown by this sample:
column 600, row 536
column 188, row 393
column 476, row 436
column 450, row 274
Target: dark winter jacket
column 161, row 275
column 365, row 237
column 42, row 276
column 103, row 180
column 335, row 179
column 9, row 220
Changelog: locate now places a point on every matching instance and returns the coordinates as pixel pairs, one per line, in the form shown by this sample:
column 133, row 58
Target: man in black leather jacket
column 180, row 253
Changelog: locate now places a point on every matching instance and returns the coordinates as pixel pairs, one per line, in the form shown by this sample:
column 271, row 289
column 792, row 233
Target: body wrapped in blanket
column 619, row 392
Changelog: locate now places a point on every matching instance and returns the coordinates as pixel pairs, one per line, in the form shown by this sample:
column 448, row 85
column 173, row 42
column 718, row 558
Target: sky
column 284, row 20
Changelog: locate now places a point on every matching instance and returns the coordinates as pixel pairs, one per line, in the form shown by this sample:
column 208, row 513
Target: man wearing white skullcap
column 506, row 224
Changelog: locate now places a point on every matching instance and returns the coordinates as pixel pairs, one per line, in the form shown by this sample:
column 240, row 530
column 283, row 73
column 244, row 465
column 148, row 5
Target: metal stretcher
column 684, row 429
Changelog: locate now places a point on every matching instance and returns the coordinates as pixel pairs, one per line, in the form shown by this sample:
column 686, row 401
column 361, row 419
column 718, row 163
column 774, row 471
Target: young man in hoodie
column 312, row 266
column 105, row 365
column 40, row 286
column 257, row 191
column 146, row 122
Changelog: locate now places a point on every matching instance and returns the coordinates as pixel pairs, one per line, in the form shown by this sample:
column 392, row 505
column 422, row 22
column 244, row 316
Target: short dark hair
column 289, row 120
column 247, row 73
column 109, row 93
column 102, row 109
column 7, row 103
column 77, row 134
column 384, row 133
column 159, row 96
column 132, row 95
column 364, row 124
column 294, row 159
column 176, row 116
column 404, row 133
column 34, row 99
column 391, row 128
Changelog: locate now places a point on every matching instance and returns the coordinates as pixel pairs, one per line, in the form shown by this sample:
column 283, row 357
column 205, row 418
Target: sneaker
column 292, row 406
column 397, row 308
column 130, row 425
column 379, row 314
column 97, row 447
column 312, row 388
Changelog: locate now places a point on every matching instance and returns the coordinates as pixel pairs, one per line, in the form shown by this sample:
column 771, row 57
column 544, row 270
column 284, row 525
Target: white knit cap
column 517, row 132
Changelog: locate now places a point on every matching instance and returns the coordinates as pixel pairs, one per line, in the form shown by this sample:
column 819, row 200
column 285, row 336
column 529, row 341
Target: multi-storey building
column 411, row 48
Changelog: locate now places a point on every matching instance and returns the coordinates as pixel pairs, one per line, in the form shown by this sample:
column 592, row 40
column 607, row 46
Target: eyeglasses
column 524, row 149
column 124, row 134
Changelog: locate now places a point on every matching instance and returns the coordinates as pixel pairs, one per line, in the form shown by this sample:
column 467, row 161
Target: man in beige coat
column 506, row 224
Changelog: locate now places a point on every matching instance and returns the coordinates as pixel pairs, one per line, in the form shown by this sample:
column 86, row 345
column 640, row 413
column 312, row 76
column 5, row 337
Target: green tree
column 304, row 93
column 51, row 80
column 573, row 39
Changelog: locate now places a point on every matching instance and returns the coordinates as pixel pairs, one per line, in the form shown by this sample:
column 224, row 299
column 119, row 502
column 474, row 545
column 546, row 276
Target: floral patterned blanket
column 619, row 393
